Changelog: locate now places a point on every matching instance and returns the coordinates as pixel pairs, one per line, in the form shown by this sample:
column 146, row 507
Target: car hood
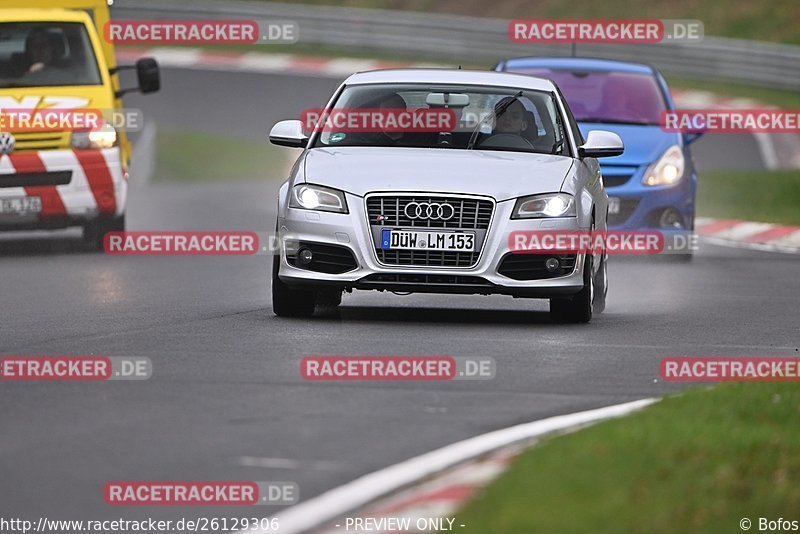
column 643, row 144
column 502, row 175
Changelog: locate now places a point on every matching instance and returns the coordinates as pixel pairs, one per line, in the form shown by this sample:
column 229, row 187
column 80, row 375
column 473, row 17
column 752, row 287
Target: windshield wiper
column 495, row 113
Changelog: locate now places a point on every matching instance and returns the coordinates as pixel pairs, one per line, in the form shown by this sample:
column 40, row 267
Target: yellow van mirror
column 147, row 73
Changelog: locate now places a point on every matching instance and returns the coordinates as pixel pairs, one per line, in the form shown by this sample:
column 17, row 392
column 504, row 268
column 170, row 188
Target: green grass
column 766, row 196
column 336, row 52
column 195, row 156
column 697, row 462
column 767, row 20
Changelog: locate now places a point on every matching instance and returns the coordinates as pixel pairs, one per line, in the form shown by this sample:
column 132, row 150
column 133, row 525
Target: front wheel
column 289, row 302
column 601, row 286
column 579, row 308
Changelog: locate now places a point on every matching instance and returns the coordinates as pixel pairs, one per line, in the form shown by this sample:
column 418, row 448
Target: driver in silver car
column 515, row 119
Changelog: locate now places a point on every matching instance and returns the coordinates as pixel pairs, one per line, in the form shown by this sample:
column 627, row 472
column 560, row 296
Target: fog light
column 671, row 218
column 552, row 264
column 304, row 256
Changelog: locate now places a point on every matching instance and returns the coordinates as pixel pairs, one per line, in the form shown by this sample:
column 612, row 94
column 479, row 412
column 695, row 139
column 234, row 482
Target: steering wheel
column 506, row 140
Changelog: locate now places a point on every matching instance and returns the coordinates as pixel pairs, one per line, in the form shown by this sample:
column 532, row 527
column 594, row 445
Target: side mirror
column 147, row 74
column 601, row 144
column 689, row 138
column 288, row 133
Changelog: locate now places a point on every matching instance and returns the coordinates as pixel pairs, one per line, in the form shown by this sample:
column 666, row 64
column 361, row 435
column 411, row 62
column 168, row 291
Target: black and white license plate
column 20, row 205
column 425, row 240
column 613, row 205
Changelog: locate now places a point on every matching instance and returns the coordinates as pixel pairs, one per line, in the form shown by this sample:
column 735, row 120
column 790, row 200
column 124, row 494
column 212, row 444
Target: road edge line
column 368, row 488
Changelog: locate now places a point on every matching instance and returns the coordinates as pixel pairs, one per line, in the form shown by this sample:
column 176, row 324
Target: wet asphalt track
column 226, row 381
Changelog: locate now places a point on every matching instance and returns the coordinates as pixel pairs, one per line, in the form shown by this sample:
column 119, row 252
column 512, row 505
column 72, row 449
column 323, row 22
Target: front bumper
column 74, row 187
column 353, row 232
column 641, row 206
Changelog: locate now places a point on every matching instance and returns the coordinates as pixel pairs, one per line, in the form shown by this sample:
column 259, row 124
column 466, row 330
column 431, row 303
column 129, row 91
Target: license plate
column 613, row 205
column 20, row 205
column 414, row 240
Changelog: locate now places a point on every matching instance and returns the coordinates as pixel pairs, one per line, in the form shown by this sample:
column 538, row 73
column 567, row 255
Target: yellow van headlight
column 105, row 137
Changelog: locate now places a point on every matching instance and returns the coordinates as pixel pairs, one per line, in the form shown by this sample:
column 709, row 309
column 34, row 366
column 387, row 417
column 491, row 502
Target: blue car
column 654, row 182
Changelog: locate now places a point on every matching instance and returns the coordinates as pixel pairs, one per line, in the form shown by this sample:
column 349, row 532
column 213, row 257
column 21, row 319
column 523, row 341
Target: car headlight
column 105, row 137
column 317, row 197
column 668, row 170
column 541, row 206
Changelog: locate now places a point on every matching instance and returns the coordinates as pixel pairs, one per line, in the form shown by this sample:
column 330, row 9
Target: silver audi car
column 428, row 205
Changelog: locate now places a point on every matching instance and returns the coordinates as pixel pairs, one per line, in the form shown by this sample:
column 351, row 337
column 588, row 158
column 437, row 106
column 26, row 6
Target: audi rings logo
column 432, row 211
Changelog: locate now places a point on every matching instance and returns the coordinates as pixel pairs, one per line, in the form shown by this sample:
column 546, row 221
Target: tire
column 601, row 286
column 329, row 298
column 288, row 302
column 579, row 308
column 95, row 231
column 687, row 258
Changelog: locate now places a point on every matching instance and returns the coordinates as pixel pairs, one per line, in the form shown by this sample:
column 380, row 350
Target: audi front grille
column 468, row 214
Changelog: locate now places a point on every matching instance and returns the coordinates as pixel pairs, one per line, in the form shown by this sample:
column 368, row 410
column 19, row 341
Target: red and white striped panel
column 97, row 186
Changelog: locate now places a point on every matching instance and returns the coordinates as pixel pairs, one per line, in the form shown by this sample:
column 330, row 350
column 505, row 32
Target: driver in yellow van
column 41, row 50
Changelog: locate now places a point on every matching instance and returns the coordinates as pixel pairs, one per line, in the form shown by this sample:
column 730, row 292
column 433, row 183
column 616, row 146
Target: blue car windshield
column 607, row 97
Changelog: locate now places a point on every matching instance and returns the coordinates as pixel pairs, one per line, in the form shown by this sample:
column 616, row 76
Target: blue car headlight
column 668, row 170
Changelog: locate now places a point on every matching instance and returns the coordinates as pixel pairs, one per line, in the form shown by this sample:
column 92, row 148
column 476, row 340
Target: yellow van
column 52, row 57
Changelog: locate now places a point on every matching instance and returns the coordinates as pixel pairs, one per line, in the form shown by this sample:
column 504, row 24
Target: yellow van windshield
column 44, row 54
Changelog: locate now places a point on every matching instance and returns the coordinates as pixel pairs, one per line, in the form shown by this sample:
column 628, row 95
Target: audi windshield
column 448, row 117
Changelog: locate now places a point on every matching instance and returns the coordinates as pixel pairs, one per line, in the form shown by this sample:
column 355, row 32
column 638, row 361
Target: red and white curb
column 778, row 151
column 415, row 477
column 439, row 498
column 263, row 62
column 750, row 235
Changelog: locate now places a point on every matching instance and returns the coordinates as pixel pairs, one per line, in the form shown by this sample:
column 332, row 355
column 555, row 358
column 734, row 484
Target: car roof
column 451, row 76
column 40, row 15
column 609, row 65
